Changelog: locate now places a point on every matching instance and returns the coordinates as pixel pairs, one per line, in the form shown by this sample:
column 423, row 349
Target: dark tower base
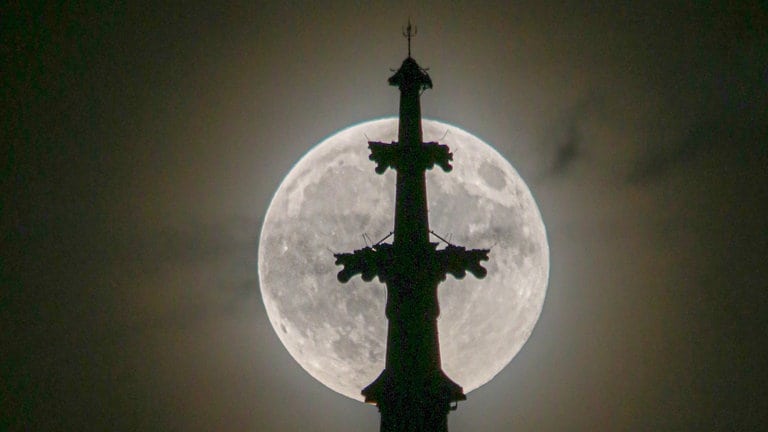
column 411, row 406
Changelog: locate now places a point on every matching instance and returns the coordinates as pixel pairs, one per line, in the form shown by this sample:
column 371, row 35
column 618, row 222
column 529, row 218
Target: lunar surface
column 332, row 198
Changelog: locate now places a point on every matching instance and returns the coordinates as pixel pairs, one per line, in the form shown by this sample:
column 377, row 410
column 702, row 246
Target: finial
column 409, row 34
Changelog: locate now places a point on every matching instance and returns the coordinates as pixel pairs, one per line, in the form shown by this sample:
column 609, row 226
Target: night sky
column 141, row 146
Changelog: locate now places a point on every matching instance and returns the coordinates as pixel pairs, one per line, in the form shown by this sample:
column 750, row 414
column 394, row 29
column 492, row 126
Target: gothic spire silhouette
column 412, row 392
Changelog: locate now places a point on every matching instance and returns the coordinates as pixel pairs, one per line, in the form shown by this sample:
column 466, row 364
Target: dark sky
column 141, row 146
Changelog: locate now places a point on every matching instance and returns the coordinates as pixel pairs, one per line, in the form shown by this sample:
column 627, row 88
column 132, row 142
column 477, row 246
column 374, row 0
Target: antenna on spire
column 408, row 33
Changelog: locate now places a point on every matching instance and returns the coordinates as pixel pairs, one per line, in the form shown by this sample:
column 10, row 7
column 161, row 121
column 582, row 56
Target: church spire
column 413, row 393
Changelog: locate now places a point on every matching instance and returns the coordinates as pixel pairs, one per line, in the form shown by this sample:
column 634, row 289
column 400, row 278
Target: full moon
column 333, row 201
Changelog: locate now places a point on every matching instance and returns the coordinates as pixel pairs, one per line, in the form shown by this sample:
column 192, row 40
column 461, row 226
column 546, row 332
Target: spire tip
column 409, row 32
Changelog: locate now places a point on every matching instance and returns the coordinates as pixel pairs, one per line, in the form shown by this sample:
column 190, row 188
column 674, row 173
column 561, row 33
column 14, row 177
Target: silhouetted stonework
column 412, row 393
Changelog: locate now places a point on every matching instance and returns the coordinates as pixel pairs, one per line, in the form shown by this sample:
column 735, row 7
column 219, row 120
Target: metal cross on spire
column 408, row 34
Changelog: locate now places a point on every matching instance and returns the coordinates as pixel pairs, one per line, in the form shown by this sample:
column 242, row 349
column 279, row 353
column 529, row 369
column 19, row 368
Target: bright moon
column 332, row 198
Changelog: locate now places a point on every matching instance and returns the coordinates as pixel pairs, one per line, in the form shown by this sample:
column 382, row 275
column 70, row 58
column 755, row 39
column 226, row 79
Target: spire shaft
column 413, row 393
